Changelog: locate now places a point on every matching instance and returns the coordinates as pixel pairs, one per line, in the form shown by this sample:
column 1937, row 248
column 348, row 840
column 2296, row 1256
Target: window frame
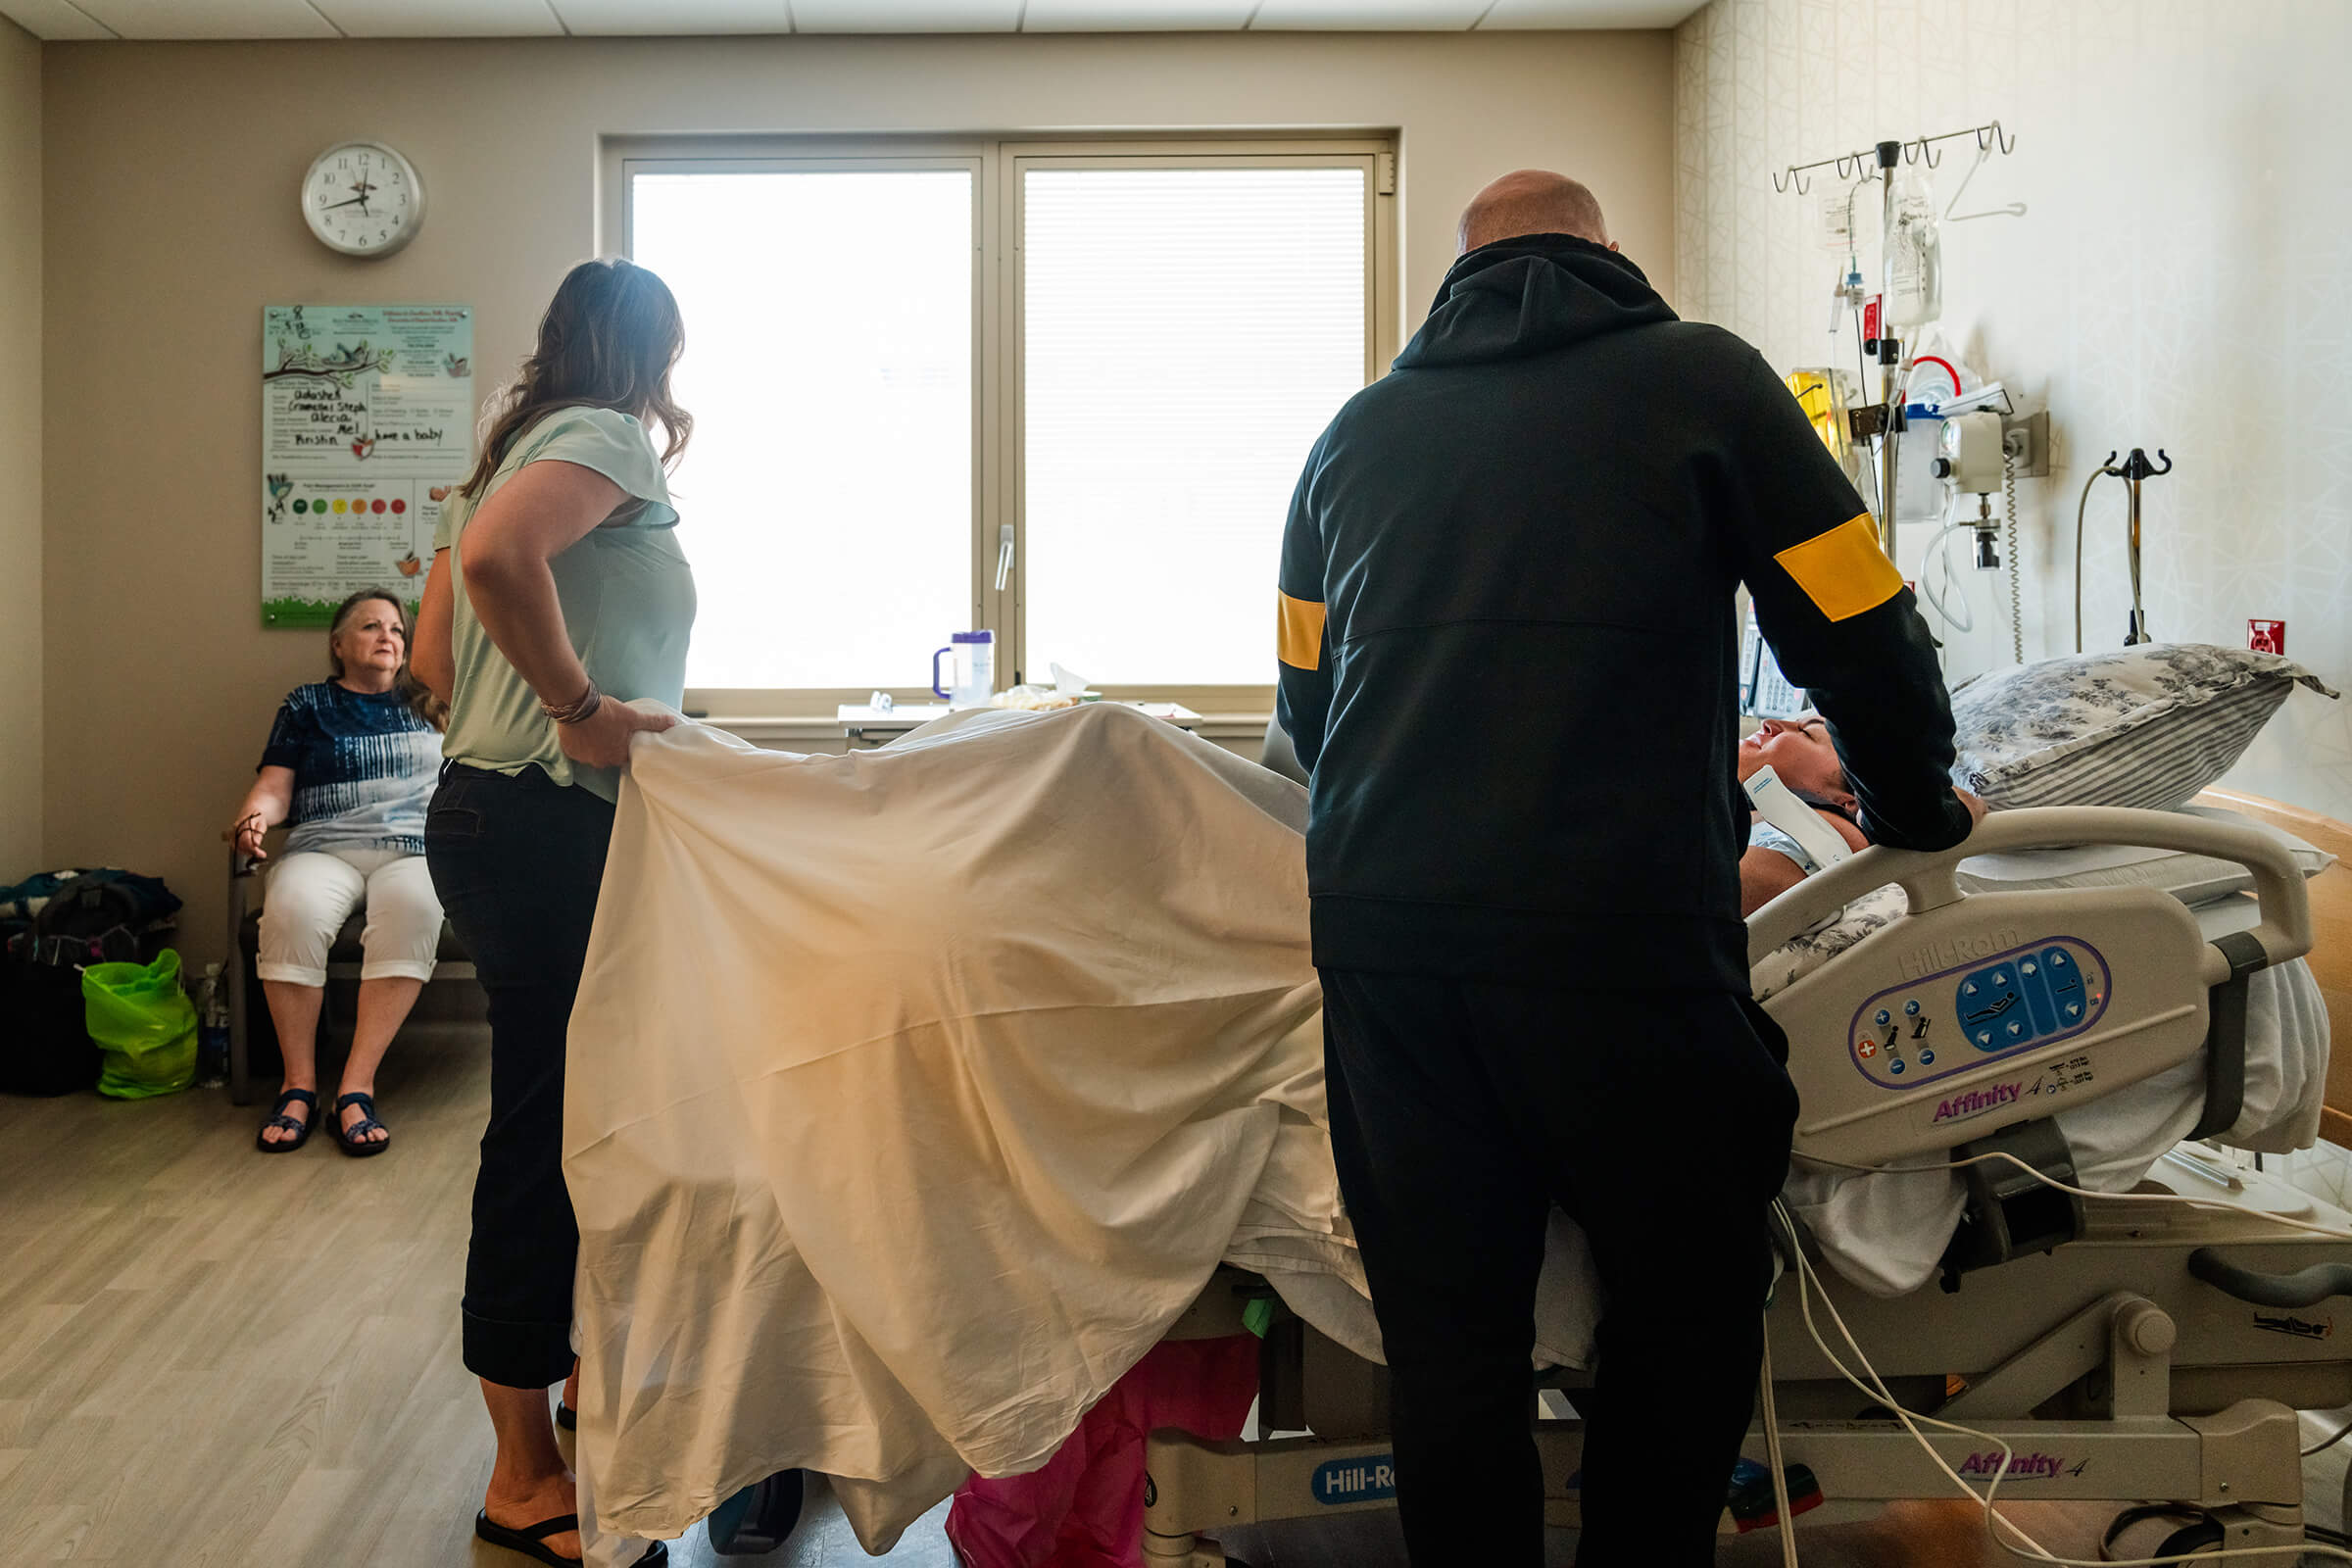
column 998, row 164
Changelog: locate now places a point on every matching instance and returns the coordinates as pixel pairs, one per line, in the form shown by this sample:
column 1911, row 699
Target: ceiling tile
column 52, row 19
column 1354, row 15
column 907, row 15
column 211, row 18
column 1514, row 13
column 676, row 15
column 440, row 18
column 1136, row 15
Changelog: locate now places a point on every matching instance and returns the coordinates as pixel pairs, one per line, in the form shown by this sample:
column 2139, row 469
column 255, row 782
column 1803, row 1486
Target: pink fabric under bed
column 1084, row 1507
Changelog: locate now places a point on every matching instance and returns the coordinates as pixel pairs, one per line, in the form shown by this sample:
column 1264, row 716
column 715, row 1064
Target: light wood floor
column 208, row 1357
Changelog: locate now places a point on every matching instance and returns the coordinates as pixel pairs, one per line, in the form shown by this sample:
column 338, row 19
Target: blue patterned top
column 365, row 766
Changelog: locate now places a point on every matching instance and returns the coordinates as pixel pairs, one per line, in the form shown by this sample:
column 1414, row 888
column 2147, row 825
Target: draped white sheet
column 915, row 1092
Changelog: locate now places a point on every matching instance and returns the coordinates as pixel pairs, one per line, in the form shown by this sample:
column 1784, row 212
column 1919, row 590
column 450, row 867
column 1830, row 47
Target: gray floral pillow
column 2146, row 726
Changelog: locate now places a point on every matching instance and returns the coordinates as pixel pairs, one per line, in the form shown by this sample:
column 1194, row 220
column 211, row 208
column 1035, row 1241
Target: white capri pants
column 313, row 892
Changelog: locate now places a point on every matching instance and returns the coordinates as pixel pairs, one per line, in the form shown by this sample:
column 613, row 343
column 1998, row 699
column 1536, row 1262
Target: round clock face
column 363, row 199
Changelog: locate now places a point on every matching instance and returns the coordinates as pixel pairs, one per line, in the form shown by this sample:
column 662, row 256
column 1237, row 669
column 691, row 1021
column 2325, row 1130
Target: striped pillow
column 2146, row 726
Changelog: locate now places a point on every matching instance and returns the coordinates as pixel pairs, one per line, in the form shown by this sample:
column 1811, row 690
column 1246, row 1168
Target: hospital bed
column 2119, row 1348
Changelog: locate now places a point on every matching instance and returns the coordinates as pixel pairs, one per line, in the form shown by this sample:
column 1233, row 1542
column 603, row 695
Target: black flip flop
column 354, row 1138
column 531, row 1542
column 279, row 1118
column 567, row 1417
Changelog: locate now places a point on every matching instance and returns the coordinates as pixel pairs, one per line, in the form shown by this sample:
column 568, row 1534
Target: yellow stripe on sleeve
column 1298, row 633
column 1843, row 571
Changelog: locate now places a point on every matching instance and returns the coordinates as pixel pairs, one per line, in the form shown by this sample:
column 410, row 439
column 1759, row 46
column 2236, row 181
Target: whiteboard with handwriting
column 366, row 425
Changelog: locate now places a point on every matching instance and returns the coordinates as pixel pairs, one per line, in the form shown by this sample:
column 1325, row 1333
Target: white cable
column 1772, row 1453
column 1995, row 1521
column 1939, row 555
column 2210, row 1205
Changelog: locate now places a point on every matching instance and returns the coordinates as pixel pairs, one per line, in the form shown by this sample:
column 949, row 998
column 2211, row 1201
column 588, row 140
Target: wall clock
column 363, row 199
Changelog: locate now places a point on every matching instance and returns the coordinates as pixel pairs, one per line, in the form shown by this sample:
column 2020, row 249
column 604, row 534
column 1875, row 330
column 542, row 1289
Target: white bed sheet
column 984, row 961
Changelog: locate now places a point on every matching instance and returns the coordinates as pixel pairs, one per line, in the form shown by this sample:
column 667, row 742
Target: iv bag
column 1915, row 258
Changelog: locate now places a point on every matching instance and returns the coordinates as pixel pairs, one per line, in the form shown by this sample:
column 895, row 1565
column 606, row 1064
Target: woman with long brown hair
column 558, row 595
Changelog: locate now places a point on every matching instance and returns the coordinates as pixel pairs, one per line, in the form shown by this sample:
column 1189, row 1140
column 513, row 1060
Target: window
column 1061, row 392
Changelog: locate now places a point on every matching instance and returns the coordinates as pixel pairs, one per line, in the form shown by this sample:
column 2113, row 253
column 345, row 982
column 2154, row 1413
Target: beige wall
column 172, row 171
column 2178, row 280
column 20, row 453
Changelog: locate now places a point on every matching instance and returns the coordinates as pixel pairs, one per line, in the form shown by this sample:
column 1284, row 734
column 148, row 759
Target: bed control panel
column 1960, row 1018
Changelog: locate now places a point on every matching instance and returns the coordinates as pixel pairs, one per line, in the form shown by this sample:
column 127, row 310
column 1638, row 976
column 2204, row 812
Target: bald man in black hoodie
column 1507, row 648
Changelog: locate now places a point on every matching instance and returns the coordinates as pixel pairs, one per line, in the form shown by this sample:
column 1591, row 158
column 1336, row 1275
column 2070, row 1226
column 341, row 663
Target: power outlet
column 2034, row 461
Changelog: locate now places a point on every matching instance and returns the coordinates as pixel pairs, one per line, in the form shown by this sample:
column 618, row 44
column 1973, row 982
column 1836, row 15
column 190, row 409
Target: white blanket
column 915, row 1092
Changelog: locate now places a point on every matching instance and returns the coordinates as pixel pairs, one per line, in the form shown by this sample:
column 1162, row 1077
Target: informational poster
column 367, row 429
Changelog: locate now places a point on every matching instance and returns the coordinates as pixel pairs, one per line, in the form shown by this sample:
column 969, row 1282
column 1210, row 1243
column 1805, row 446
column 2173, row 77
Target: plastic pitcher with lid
column 973, row 678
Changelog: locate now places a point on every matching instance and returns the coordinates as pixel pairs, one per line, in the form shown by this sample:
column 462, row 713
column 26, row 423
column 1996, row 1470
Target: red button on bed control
column 1868, row 1048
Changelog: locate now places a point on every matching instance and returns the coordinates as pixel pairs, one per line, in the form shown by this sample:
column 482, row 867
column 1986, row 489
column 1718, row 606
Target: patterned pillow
column 2146, row 726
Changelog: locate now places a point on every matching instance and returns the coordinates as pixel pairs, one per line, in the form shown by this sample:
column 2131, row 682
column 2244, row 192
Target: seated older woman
column 1800, row 752
column 351, row 762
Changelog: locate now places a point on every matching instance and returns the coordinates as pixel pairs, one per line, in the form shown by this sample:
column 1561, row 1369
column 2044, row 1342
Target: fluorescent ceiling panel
column 1136, row 15
column 663, row 16
column 52, row 19
column 212, row 19
column 907, row 15
column 441, row 19
column 1368, row 15
column 1547, row 13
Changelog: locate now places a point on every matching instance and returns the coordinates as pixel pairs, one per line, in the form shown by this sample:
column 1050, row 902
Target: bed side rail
column 1928, row 880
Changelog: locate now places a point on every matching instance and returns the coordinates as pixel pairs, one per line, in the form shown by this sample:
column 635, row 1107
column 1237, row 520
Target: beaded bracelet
column 582, row 707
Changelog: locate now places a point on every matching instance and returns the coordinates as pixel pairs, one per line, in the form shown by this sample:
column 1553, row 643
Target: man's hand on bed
column 1975, row 807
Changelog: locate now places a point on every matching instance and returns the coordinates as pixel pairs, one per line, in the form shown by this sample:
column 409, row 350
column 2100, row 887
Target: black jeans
column 1460, row 1112
column 517, row 862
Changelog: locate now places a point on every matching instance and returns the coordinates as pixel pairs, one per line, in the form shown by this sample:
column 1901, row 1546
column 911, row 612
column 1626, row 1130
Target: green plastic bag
column 144, row 1024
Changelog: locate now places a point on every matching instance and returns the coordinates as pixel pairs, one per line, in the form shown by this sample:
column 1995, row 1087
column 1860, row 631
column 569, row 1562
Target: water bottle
column 212, row 1029
column 974, row 679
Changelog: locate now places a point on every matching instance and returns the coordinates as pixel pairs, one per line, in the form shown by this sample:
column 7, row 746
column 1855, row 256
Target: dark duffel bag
column 45, row 1045
column 75, row 919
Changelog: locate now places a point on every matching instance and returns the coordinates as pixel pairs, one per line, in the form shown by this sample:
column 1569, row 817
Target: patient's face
column 1801, row 753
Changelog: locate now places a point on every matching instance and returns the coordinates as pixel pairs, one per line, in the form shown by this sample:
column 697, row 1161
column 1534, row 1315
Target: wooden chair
column 2331, row 927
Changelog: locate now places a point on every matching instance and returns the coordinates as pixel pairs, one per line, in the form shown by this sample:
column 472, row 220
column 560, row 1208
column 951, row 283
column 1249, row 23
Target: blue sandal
column 354, row 1138
column 283, row 1122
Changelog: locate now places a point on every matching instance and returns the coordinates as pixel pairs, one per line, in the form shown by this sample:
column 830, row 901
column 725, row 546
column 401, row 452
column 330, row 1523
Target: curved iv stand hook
column 1850, row 165
column 1934, row 159
column 1989, row 137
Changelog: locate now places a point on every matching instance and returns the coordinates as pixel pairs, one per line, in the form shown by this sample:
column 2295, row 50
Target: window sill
column 758, row 727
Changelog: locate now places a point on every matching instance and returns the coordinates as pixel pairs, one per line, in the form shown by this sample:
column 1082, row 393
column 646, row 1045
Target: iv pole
column 1888, row 415
column 1889, row 348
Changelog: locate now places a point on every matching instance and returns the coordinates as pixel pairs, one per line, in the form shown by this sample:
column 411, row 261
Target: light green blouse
column 625, row 589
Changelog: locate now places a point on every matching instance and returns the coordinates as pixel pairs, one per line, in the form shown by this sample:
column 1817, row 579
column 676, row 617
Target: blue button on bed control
column 1885, row 1018
column 1926, row 1058
column 1984, row 1037
column 2028, row 968
column 1911, row 1009
column 1895, row 1068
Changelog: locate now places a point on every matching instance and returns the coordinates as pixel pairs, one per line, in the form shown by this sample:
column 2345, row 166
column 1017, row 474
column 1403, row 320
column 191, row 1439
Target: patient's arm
column 1765, row 874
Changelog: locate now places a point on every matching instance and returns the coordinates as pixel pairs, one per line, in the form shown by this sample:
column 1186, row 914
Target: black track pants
column 1460, row 1112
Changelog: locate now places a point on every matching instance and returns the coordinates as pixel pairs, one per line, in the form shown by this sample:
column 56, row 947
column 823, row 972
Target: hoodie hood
column 1529, row 295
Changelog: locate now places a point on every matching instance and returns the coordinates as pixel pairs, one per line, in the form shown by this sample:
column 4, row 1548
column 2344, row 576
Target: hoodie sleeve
column 1839, row 620
column 1303, row 646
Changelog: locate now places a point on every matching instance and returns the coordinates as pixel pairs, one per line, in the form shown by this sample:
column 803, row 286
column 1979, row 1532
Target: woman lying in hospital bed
column 915, row 1093
column 1887, row 1232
